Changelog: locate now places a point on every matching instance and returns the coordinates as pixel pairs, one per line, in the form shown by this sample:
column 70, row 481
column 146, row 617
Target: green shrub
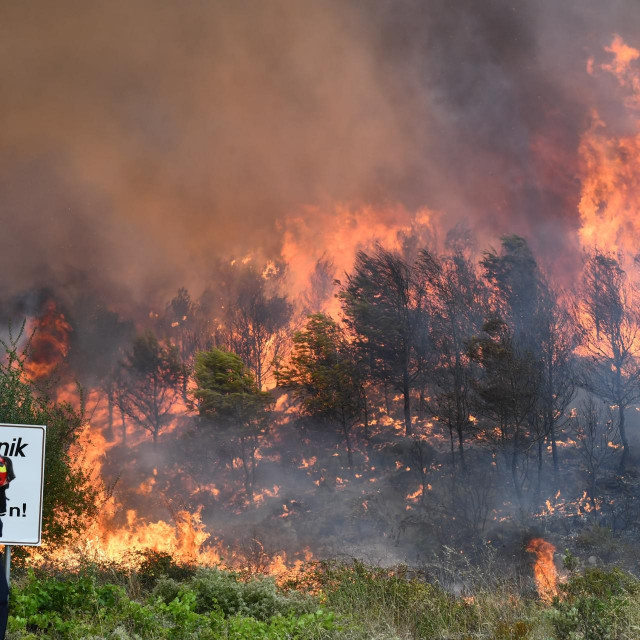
column 595, row 605
column 518, row 630
column 391, row 599
column 49, row 604
column 201, row 607
column 155, row 565
column 223, row 591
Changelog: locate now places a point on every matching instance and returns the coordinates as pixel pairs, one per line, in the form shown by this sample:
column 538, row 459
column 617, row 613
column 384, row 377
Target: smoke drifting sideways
column 141, row 140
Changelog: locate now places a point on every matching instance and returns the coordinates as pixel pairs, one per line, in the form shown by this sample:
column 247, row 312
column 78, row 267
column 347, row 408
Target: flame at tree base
column 544, row 569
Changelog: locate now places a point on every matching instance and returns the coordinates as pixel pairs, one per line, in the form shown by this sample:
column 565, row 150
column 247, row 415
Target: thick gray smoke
column 140, row 139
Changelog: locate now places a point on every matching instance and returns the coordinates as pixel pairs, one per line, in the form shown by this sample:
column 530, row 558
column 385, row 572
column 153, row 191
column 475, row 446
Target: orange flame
column 610, row 163
column 339, row 234
column 544, row 569
column 49, row 344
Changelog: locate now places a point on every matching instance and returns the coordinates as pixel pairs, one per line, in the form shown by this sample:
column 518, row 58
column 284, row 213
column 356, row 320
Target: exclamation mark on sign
column 24, row 509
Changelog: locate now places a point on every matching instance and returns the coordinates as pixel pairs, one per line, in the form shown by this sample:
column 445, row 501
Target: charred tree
column 522, row 297
column 609, row 322
column 383, row 303
column 151, row 382
column 506, row 391
column 456, row 299
column 597, row 435
column 256, row 318
column 188, row 325
column 557, row 338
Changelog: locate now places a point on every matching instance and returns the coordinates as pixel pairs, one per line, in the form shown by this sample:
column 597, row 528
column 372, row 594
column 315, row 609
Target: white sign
column 23, row 445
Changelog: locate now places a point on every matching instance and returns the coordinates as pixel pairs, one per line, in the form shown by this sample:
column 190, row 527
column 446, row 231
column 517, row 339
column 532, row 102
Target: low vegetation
column 330, row 601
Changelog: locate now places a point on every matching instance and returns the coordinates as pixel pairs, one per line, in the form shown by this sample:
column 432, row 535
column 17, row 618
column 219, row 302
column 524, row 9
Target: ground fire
column 544, row 569
column 331, row 285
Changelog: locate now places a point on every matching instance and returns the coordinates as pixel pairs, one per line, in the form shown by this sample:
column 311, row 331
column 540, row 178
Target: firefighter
column 6, row 476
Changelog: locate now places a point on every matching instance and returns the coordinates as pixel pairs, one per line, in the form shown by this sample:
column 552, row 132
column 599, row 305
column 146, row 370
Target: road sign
column 24, row 446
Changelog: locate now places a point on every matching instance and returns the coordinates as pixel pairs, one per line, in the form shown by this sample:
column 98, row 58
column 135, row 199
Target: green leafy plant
column 594, row 605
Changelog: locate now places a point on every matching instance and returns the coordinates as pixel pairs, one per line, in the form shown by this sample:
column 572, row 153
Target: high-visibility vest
column 3, row 472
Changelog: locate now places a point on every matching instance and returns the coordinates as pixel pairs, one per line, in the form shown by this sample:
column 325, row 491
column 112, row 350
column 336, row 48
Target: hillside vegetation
column 330, row 601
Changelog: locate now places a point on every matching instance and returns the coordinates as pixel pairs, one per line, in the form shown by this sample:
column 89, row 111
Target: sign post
column 6, row 563
column 21, row 514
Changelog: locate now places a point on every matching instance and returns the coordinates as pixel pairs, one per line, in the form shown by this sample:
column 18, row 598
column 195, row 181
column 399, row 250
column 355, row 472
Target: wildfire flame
column 544, row 569
column 610, row 189
column 49, row 342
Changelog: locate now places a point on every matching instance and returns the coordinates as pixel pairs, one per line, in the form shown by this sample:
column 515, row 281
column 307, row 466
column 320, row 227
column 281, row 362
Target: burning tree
column 321, row 286
column 153, row 376
column 517, row 287
column 187, row 324
column 98, row 351
column 228, row 395
column 557, row 338
column 383, row 302
column 523, row 298
column 255, row 318
column 456, row 300
column 324, row 376
column 506, row 394
column 609, row 323
column 597, row 436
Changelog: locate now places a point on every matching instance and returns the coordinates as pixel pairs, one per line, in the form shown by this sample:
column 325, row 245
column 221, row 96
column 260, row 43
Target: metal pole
column 6, row 562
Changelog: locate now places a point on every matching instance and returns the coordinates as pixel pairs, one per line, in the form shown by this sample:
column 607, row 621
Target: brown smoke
column 139, row 139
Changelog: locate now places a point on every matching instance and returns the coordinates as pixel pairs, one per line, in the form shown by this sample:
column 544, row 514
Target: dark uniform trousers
column 4, row 598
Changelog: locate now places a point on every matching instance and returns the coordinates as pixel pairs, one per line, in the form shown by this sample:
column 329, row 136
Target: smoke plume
column 141, row 139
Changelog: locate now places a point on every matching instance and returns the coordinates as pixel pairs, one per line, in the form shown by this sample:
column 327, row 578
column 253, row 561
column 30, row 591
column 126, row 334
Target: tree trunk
column 347, row 439
column 407, row 401
column 623, row 437
column 124, row 426
column 453, row 454
column 461, row 446
column 554, row 447
column 254, row 447
column 540, row 450
column 109, row 434
column 248, row 485
column 514, row 470
column 550, row 426
column 365, row 406
column 592, row 493
column 387, row 408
